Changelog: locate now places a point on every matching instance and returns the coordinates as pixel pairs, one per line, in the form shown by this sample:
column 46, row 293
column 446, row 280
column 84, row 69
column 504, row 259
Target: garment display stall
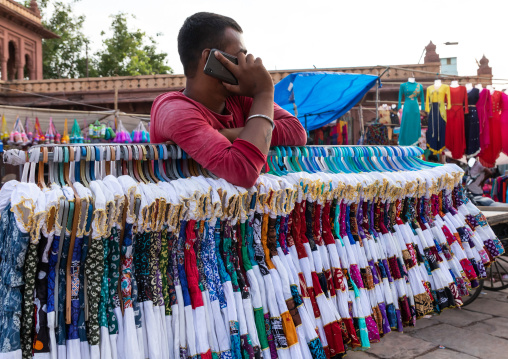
column 135, row 251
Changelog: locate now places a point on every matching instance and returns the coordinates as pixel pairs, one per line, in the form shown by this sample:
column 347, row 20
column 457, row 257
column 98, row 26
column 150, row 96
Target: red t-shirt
column 193, row 127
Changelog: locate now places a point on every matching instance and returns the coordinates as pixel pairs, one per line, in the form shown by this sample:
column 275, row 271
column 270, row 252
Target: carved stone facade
column 430, row 54
column 21, row 34
column 484, row 69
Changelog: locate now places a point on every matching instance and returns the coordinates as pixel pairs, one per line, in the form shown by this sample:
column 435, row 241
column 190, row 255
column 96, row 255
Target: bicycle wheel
column 473, row 294
column 497, row 274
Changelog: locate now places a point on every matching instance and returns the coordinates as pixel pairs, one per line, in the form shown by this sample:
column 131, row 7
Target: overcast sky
column 330, row 33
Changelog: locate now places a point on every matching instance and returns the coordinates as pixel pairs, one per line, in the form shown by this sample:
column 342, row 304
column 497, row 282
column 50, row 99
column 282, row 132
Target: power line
column 55, row 98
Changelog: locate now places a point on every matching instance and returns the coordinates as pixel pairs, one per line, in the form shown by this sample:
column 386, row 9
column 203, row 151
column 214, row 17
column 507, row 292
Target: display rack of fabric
column 148, row 255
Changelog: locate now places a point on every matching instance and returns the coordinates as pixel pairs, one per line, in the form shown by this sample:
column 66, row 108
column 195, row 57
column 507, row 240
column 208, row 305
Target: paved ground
column 479, row 330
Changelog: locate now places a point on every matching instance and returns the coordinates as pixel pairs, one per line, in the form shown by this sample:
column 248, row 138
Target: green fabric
column 163, row 263
column 259, row 319
column 27, row 321
column 103, row 317
column 245, row 252
column 94, row 268
column 114, row 276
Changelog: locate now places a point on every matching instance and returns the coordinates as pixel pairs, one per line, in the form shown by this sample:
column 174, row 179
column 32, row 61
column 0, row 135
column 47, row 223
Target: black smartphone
column 215, row 69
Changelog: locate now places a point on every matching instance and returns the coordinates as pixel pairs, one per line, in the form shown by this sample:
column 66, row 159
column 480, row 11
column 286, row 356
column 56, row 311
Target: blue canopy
column 322, row 97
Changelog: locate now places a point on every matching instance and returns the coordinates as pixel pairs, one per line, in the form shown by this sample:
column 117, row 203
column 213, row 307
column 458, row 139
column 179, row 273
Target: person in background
column 479, row 175
column 228, row 129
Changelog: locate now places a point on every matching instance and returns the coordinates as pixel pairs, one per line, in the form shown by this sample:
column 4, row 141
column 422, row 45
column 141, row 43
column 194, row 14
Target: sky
column 301, row 34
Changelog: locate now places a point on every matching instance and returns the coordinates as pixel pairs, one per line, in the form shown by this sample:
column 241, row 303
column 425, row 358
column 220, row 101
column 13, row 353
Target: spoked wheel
column 473, row 294
column 497, row 274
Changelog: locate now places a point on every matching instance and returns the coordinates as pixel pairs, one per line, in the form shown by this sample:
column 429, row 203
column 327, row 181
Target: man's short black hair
column 203, row 30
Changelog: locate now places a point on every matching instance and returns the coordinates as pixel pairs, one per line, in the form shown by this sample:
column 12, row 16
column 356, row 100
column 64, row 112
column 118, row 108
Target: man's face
column 234, row 41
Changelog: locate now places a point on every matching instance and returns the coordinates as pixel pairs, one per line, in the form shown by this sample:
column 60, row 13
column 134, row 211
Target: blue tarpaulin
column 321, row 97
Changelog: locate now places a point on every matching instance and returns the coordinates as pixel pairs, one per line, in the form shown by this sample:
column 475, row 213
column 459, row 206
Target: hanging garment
column 490, row 153
column 455, row 135
column 504, row 123
column 384, row 115
column 484, row 108
column 410, row 127
column 394, row 117
column 472, row 124
column 376, row 135
column 437, row 103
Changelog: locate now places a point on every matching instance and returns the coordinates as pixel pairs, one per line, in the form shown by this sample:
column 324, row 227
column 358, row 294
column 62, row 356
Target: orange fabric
column 289, row 328
column 264, row 239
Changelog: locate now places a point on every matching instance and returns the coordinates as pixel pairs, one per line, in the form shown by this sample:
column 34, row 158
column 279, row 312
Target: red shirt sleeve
column 288, row 130
column 239, row 163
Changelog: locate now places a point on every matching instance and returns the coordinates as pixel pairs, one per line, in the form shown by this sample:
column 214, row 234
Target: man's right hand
column 253, row 78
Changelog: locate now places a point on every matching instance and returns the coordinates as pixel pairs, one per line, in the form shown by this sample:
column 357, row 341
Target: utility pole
column 86, row 44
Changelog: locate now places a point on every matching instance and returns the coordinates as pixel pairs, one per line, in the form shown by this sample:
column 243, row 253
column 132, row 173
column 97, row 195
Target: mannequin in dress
column 410, row 130
column 455, row 134
column 437, row 102
column 479, row 87
column 472, row 121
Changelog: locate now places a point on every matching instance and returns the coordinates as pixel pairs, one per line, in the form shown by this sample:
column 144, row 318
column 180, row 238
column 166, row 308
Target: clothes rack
column 332, row 249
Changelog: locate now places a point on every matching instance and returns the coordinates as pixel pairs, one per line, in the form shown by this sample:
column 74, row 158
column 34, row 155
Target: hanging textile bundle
column 38, row 136
column 65, row 137
column 18, row 135
column 5, row 133
column 140, row 134
column 29, row 134
column 122, row 135
column 134, row 251
column 76, row 136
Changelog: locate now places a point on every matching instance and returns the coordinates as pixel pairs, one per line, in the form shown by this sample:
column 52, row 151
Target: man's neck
column 211, row 99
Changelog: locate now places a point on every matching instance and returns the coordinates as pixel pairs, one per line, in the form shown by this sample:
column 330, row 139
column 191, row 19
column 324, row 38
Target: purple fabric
column 374, row 272
column 385, row 324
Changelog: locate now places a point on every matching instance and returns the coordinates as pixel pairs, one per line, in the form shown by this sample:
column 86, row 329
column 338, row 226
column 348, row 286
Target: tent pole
column 377, row 102
column 305, row 116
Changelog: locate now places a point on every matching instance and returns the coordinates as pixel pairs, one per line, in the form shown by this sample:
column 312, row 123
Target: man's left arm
column 288, row 130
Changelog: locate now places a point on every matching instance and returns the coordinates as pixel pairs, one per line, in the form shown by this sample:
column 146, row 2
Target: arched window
column 11, row 62
column 27, row 69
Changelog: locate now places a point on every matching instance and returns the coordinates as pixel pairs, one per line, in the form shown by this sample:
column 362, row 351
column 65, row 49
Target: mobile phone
column 215, row 69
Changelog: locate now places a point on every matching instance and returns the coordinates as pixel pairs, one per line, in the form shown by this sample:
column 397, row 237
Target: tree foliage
column 124, row 53
column 129, row 53
column 64, row 57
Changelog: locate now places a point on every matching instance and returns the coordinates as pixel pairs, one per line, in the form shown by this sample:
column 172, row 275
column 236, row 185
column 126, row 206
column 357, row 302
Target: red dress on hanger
column 490, row 153
column 504, row 123
column 455, row 139
column 484, row 109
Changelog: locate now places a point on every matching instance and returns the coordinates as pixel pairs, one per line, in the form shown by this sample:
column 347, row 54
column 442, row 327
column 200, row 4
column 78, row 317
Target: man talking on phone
column 226, row 128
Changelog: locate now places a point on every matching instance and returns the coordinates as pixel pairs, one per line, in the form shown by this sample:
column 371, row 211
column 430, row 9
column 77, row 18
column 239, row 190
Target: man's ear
column 204, row 55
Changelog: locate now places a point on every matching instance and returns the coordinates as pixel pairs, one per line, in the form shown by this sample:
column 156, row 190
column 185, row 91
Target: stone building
column 21, row 34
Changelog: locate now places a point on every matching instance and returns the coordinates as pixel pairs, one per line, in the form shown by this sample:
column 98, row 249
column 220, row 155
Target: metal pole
column 377, row 102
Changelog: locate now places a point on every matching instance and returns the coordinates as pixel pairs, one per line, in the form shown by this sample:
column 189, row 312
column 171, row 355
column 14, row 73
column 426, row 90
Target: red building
column 21, row 34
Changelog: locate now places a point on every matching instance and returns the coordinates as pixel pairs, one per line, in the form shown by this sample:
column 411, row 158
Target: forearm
column 258, row 131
